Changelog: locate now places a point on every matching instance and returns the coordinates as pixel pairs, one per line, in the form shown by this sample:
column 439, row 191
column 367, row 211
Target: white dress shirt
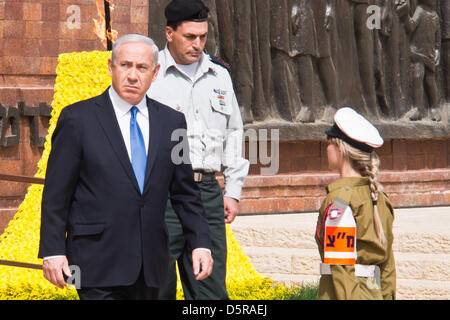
column 123, row 114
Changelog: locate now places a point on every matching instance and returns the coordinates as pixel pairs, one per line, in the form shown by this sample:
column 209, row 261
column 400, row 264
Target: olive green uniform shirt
column 342, row 283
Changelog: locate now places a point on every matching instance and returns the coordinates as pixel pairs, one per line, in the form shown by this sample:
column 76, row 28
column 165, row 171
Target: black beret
column 186, row 10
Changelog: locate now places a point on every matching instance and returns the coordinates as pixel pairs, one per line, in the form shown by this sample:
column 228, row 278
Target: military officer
column 354, row 226
column 200, row 86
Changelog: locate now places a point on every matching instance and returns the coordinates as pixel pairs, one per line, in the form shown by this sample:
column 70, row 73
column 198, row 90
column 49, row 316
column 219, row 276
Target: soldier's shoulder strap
column 220, row 62
column 342, row 196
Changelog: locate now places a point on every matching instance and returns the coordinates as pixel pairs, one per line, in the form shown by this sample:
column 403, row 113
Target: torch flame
column 100, row 23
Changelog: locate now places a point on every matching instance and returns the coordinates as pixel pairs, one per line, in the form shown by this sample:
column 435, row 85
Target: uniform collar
column 347, row 182
column 122, row 107
column 204, row 64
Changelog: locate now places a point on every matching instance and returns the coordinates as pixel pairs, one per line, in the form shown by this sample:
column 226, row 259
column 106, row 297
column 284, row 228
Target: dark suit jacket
column 92, row 210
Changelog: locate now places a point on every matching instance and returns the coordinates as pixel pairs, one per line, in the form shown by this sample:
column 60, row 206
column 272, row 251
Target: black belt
column 201, row 176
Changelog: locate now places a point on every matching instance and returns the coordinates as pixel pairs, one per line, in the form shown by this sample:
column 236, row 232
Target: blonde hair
column 367, row 163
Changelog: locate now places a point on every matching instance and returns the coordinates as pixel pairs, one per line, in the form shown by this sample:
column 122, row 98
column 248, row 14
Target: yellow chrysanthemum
column 81, row 76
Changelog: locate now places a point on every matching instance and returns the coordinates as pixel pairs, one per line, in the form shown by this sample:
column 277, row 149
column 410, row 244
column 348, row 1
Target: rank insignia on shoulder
column 341, row 204
column 220, row 62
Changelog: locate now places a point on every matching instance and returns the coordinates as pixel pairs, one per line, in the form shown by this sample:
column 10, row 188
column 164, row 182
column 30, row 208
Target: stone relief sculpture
column 311, row 23
column 296, row 61
column 243, row 34
column 284, row 76
column 365, row 54
column 425, row 38
column 445, row 18
column 325, row 19
column 304, row 47
column 391, row 35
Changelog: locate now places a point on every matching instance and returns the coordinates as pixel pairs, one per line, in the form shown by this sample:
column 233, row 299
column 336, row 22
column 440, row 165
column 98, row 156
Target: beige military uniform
column 342, row 283
column 214, row 124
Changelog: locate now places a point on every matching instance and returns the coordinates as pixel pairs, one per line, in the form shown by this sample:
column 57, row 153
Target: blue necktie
column 138, row 154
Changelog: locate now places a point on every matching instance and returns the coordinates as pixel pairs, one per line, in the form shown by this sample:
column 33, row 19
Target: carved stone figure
column 243, row 58
column 365, row 54
column 445, row 18
column 157, row 22
column 261, row 44
column 325, row 16
column 252, row 63
column 284, row 75
column 304, row 46
column 390, row 37
column 213, row 43
column 425, row 37
column 311, row 22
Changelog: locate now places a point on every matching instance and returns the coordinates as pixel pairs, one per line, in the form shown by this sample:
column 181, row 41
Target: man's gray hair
column 134, row 37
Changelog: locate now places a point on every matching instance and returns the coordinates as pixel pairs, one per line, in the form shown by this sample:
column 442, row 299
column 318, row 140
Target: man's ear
column 155, row 72
column 169, row 34
column 110, row 66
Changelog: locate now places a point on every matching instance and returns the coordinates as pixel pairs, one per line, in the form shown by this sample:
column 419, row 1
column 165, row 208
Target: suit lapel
column 155, row 124
column 108, row 120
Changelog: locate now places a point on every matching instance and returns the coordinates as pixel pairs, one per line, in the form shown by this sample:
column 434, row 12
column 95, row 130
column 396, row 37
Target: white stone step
column 435, row 267
column 415, row 230
column 283, row 231
column 283, row 260
column 422, row 290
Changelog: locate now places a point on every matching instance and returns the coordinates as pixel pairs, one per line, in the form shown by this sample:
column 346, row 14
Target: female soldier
column 354, row 227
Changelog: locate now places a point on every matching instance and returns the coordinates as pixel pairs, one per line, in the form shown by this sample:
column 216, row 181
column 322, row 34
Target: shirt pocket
column 220, row 112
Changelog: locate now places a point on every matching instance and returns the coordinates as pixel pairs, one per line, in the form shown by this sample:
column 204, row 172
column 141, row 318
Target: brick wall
column 395, row 154
column 33, row 33
column 304, row 192
column 414, row 172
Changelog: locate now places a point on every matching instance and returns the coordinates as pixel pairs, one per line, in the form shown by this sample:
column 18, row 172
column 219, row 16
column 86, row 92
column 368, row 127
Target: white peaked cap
column 353, row 128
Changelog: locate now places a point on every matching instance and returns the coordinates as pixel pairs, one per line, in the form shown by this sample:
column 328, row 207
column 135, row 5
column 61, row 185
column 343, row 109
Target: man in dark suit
column 108, row 178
